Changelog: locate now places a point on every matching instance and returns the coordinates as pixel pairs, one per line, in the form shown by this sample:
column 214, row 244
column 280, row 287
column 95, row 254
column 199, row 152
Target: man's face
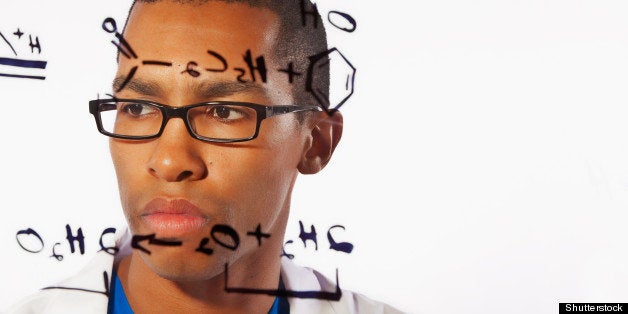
column 178, row 187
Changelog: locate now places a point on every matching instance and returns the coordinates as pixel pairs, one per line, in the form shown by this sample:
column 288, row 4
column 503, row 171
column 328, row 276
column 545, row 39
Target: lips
column 173, row 218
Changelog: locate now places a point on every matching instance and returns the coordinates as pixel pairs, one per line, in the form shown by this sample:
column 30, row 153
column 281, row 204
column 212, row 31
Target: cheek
column 264, row 174
column 128, row 164
column 282, row 146
column 121, row 162
column 282, row 132
column 130, row 158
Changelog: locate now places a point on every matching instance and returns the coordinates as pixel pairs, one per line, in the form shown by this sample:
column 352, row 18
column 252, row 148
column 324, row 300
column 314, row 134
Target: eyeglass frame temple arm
column 277, row 110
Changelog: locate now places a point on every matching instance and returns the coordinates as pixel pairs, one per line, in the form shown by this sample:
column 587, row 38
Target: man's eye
column 137, row 109
column 226, row 113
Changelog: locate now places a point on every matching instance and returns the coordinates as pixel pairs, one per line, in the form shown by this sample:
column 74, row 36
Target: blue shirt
column 118, row 303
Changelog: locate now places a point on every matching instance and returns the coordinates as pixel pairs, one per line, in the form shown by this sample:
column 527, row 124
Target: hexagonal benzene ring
column 342, row 79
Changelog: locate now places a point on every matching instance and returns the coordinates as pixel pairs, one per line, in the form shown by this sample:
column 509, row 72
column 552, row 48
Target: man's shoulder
column 85, row 292
column 321, row 293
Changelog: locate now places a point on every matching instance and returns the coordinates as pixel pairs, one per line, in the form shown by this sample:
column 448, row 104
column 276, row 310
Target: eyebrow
column 205, row 90
column 137, row 85
column 219, row 89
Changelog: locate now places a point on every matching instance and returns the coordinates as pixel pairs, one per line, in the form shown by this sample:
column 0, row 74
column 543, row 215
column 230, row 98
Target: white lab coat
column 95, row 275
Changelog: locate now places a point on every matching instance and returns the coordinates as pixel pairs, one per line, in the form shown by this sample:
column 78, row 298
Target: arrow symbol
column 151, row 240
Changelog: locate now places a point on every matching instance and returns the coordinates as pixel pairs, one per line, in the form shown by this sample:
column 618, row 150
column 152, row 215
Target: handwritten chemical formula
column 12, row 64
column 256, row 68
column 221, row 236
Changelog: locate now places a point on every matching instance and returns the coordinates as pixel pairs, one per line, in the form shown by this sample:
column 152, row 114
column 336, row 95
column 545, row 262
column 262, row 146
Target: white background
column 483, row 168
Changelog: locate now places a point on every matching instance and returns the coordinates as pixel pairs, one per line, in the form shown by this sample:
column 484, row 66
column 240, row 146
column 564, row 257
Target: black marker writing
column 202, row 249
column 320, row 62
column 223, row 235
column 226, row 232
column 241, row 75
column 308, row 235
column 54, row 253
column 290, row 71
column 35, row 77
column 109, row 26
column 135, row 242
column 71, row 238
column 111, row 250
column 8, row 43
column 35, row 44
column 256, row 66
column 18, row 33
column 19, row 63
column 283, row 250
column 258, row 234
column 309, row 10
column 189, row 69
column 31, row 241
column 106, row 284
column 220, row 58
column 23, row 63
column 29, row 232
column 321, row 295
column 259, row 66
column 334, row 19
column 152, row 62
column 343, row 246
column 127, row 78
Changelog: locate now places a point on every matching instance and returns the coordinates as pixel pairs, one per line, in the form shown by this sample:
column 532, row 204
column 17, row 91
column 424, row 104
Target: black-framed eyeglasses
column 216, row 121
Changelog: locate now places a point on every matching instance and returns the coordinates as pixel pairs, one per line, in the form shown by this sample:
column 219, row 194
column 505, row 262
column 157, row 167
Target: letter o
column 29, row 231
column 109, row 25
column 349, row 28
column 228, row 231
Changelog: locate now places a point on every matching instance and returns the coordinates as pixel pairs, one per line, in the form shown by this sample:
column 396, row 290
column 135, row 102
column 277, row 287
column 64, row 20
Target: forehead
column 155, row 27
column 178, row 34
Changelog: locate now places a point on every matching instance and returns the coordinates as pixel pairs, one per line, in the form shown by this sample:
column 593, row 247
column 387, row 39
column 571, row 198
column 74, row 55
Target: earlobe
column 326, row 131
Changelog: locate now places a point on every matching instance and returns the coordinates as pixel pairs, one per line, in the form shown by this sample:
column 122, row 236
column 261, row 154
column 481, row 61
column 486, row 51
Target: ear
column 326, row 130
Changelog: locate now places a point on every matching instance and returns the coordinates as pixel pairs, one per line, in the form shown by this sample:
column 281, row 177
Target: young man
column 207, row 139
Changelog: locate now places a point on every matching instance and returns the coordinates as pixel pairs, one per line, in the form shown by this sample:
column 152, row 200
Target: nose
column 176, row 156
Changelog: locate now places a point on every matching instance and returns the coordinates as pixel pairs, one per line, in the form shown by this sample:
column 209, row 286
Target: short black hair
column 300, row 36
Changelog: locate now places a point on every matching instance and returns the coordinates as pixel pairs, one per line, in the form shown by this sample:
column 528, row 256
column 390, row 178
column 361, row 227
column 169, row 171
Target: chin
column 177, row 266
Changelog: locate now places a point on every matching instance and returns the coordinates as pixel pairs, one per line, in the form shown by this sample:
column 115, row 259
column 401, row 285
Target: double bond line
column 21, row 63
